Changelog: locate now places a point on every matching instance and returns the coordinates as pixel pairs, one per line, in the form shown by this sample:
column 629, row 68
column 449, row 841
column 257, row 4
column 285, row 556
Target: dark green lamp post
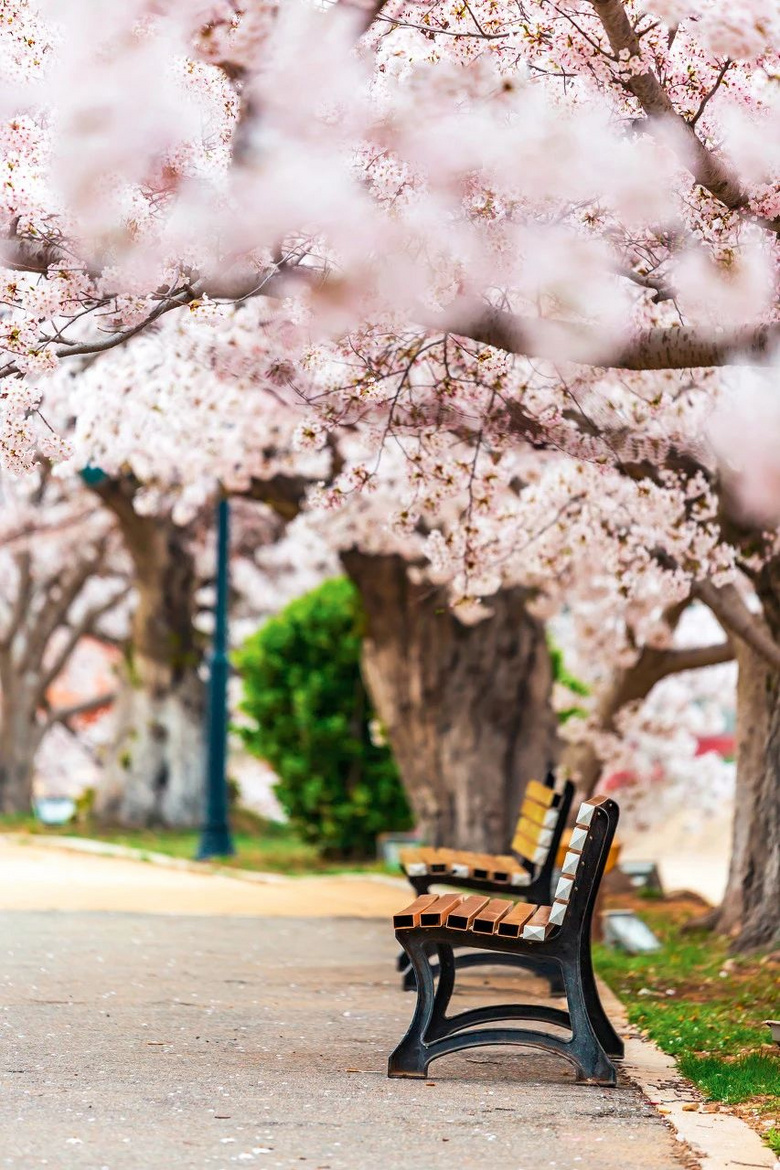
column 93, row 476
column 215, row 839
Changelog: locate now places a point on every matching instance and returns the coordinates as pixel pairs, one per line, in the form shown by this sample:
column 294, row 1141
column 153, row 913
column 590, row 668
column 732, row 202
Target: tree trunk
column 466, row 709
column 155, row 773
column 20, row 737
column 19, row 741
column 751, row 906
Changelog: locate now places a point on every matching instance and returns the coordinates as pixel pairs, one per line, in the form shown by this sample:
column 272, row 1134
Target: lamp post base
column 215, row 842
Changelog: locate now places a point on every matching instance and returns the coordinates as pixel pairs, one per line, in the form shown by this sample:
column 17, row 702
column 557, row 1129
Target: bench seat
column 501, row 869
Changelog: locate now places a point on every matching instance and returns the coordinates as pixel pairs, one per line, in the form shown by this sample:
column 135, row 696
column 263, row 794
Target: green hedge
column 309, row 717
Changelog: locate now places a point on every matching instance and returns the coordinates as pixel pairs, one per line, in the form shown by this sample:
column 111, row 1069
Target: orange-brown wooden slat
column 411, row 915
column 465, row 856
column 436, row 913
column 530, row 829
column 541, row 793
column 503, row 868
column 524, row 846
column 537, row 813
column 440, row 860
column 462, row 916
column 488, row 919
column 482, row 865
column 513, row 922
column 538, row 923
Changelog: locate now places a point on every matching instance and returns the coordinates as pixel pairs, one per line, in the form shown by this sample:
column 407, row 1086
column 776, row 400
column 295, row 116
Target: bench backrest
column 538, row 824
column 586, row 857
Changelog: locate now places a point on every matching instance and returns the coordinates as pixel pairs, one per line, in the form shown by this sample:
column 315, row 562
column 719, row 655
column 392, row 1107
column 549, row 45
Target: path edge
column 719, row 1141
column 150, row 857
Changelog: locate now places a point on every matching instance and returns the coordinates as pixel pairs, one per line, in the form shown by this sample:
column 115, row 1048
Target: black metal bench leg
column 409, row 980
column 602, row 1025
column 557, row 982
column 444, row 989
column 410, row 1057
column 591, row 1060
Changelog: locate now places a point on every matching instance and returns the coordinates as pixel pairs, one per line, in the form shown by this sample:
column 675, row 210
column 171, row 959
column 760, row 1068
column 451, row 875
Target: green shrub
column 564, row 678
column 309, row 717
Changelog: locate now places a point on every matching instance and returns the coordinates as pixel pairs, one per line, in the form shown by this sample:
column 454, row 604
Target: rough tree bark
column 467, row 709
column 21, row 732
column 155, row 771
column 751, row 907
column 48, row 614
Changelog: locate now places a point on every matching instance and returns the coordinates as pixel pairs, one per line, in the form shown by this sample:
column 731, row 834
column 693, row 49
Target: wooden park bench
column 558, row 933
column 529, row 868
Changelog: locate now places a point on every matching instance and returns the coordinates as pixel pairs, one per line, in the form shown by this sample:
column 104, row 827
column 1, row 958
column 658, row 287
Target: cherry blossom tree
column 63, row 579
column 645, row 722
column 531, row 248
column 154, row 768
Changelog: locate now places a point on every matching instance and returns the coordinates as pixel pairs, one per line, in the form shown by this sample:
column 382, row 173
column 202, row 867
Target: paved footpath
column 175, row 1040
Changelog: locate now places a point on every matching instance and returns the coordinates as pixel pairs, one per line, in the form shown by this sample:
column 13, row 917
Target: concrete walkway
column 51, row 877
column 138, row 1041
column 162, row 1018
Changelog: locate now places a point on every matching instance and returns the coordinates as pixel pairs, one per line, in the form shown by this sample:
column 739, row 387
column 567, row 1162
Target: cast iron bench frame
column 593, row 1044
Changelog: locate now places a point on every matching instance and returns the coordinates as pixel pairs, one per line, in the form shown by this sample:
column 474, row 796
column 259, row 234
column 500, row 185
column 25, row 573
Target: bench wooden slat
column 488, row 919
column 440, row 860
column 461, row 864
column 537, row 928
column 578, row 837
column 412, row 863
column 546, row 817
column 534, row 832
column 513, row 922
column 462, row 916
column 588, row 807
column 482, row 866
column 411, row 915
column 558, row 913
column 435, row 914
column 570, row 863
column 503, row 868
column 541, row 793
column 529, row 849
column 469, row 860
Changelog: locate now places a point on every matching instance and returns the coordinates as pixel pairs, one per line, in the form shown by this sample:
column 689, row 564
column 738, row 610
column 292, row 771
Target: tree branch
column 709, row 169
column 729, row 608
column 285, row 494
column 64, row 590
column 22, row 599
column 675, row 661
column 79, row 631
column 64, row 714
column 675, row 348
